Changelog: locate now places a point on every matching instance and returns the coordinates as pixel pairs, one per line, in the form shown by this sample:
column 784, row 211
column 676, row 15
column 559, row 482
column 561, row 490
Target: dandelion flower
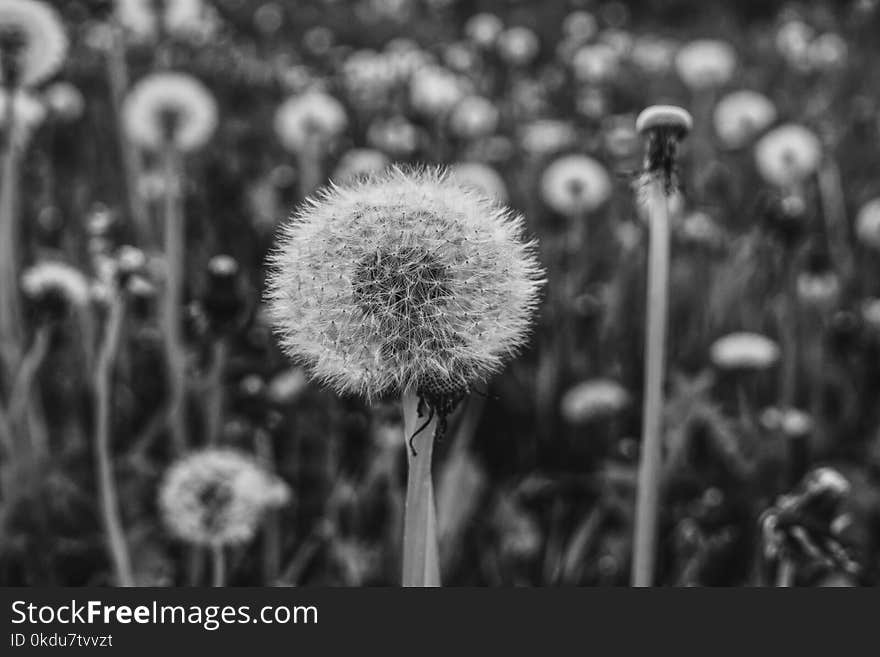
column 868, row 224
column 483, row 29
column 593, row 399
column 435, row 90
column 741, row 115
column 170, row 109
column 394, row 135
column 406, row 281
column 518, row 45
column 705, row 63
column 595, row 63
column 828, row 52
column 482, row 178
column 54, row 288
column 545, row 136
column 32, row 35
column 787, row 155
column 65, row 101
column 180, row 17
column 360, row 163
column 217, row 497
column 27, row 111
column 743, row 350
column 312, row 115
column 574, row 184
column 474, row 116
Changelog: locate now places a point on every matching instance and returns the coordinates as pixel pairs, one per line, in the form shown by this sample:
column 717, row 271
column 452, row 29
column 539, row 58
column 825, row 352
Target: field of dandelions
column 196, row 389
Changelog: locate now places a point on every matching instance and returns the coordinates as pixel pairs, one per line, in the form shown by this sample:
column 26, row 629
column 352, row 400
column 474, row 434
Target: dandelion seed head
column 744, row 351
column 182, row 18
column 474, row 116
column 545, row 136
column 217, row 496
column 406, row 280
column 705, row 63
column 787, row 155
column 518, row 45
column 595, row 63
column 742, row 115
column 575, row 183
column 435, row 90
column 593, row 399
column 27, row 111
column 868, row 224
column 482, row 178
column 312, row 115
column 483, row 29
column 360, row 163
column 32, row 35
column 170, row 109
column 55, row 283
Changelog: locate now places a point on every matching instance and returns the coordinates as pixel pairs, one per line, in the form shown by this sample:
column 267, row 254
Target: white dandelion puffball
column 65, row 101
column 787, row 155
column 518, row 45
column 742, row 115
column 474, row 116
column 179, row 17
column 435, row 90
column 790, row 421
column 217, row 496
column 595, row 63
column 170, row 109
column 482, row 178
column 744, row 350
column 542, row 137
column 55, row 279
column 359, row 163
column 39, row 43
column 313, row 115
column 705, row 63
column 593, row 399
column 404, row 281
column 483, row 29
column 394, row 135
column 27, row 113
column 868, row 224
column 575, row 183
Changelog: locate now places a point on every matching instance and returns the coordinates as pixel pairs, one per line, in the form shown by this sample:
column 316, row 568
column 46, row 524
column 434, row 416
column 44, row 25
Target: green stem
column 109, row 497
column 647, row 503
column 175, row 354
column 420, row 557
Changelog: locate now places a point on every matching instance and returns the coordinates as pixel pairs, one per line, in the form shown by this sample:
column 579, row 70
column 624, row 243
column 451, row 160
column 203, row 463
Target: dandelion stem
column 10, row 318
column 834, row 212
column 655, row 348
column 175, row 356
column 215, row 390
column 110, row 515
column 218, row 577
column 20, row 397
column 785, row 573
column 420, row 557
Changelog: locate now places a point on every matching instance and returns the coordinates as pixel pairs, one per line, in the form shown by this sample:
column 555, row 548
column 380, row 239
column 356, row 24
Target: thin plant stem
column 10, row 318
column 785, row 573
column 421, row 566
column 218, row 562
column 215, row 400
column 834, row 212
column 20, row 396
column 272, row 522
column 647, row 503
column 107, row 491
column 175, row 354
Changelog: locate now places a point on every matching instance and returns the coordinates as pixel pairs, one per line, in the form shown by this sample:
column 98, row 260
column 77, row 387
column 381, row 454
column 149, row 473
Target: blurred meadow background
column 131, row 279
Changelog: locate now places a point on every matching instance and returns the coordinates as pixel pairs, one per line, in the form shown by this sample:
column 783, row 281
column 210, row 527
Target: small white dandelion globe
column 483, row 29
column 742, row 115
column 434, row 90
column 312, row 115
column 359, row 163
column 574, row 184
column 593, row 399
column 179, row 17
column 57, row 280
column 27, row 112
column 406, row 281
column 705, row 63
column 473, row 117
column 170, row 109
column 543, row 137
column 65, row 101
column 217, row 496
column 482, row 178
column 595, row 63
column 787, row 155
column 744, row 351
column 518, row 45
column 868, row 224
column 33, row 34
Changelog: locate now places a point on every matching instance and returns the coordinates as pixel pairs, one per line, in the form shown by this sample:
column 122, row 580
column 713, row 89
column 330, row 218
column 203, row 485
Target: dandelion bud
column 403, row 281
column 217, row 497
column 223, row 302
